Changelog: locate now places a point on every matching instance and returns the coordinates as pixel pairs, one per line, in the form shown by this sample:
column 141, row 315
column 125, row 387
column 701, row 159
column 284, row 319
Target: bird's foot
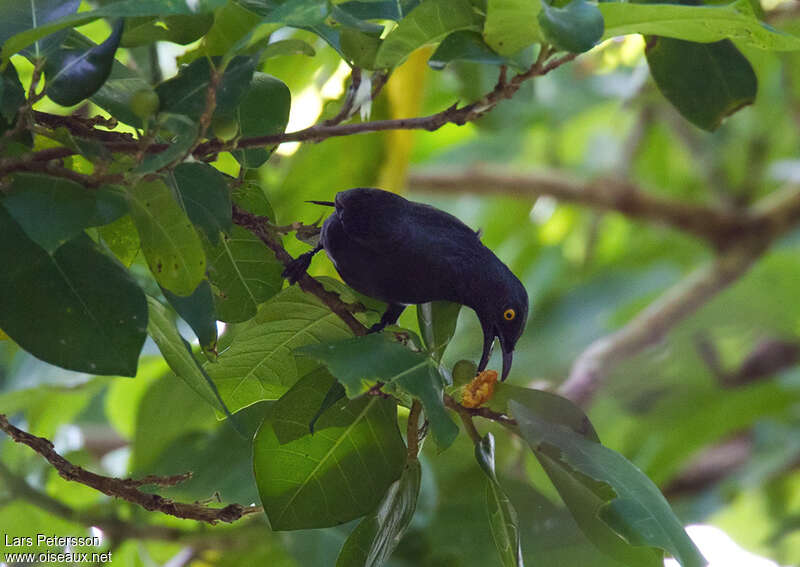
column 297, row 267
column 377, row 327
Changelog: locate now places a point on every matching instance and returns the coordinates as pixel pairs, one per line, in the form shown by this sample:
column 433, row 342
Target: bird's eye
column 509, row 314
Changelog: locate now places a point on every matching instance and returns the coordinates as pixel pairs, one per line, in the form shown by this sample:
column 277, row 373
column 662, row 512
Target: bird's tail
column 325, row 203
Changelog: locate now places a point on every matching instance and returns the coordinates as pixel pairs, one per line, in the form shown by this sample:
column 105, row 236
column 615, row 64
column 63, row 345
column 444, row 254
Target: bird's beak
column 489, row 334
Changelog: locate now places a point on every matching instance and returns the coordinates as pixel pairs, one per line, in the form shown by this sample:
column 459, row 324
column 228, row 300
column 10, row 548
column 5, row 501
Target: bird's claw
column 296, row 268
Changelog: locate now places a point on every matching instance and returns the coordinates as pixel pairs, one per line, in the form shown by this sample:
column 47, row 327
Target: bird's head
column 503, row 315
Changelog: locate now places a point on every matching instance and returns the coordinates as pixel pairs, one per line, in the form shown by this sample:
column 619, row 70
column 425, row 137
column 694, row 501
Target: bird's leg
column 389, row 317
column 299, row 265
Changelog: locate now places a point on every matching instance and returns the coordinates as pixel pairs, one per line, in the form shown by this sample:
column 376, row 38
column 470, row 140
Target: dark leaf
column 12, row 95
column 380, row 10
column 181, row 29
column 375, row 538
column 576, row 27
column 180, row 133
column 437, row 323
column 264, row 110
column 186, row 92
column 337, row 474
column 466, row 46
column 205, row 196
column 706, row 82
column 73, row 75
column 77, row 309
column 198, row 311
column 53, row 210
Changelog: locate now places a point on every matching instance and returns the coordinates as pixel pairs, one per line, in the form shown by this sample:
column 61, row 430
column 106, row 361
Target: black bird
column 403, row 252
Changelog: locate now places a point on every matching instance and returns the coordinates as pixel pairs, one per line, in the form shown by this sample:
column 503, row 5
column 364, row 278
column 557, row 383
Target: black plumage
column 403, row 252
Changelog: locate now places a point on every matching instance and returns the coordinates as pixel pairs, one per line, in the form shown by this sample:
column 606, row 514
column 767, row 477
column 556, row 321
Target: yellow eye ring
column 509, row 314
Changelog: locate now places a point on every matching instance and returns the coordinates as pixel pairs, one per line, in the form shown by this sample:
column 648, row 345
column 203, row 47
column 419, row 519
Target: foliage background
column 725, row 451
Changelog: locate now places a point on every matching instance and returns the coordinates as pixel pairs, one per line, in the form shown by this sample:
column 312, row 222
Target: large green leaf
column 29, row 31
column 53, row 210
column 576, row 27
column 180, row 28
column 259, row 365
column 706, row 82
column 73, row 75
column 628, row 502
column 375, row 538
column 736, row 21
column 178, row 354
column 264, row 110
column 18, row 15
column 244, row 273
column 337, row 474
column 361, row 362
column 116, row 93
column 12, row 95
column 170, row 244
column 430, row 22
column 77, row 309
column 503, row 520
column 466, row 46
column 205, row 196
column 511, row 25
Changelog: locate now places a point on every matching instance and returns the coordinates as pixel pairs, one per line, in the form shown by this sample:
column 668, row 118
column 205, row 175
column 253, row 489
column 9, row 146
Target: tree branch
column 126, row 489
column 772, row 217
column 719, row 226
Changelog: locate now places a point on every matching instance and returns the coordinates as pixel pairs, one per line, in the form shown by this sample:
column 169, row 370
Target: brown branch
column 347, row 109
column 125, row 489
column 412, row 431
column 772, row 217
column 83, row 127
column 718, row 225
column 258, row 226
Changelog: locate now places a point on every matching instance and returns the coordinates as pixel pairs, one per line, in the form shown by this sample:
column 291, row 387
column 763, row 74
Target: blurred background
column 711, row 413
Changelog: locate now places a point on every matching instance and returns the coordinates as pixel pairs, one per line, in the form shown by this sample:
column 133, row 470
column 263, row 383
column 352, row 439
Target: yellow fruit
column 145, row 103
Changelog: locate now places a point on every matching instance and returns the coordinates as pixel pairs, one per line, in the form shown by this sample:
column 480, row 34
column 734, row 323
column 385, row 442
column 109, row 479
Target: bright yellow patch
column 480, row 390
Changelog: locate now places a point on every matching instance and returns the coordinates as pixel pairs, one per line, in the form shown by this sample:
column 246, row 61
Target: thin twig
column 125, row 489
column 347, row 109
column 412, row 431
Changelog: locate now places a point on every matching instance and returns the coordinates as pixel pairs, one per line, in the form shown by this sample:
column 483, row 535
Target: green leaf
column 577, row 27
column 430, row 22
column 736, row 21
column 12, row 94
column 122, row 239
column 511, row 25
column 361, row 362
column 360, row 48
column 335, row 475
column 53, row 210
column 244, row 273
column 369, row 10
column 232, row 22
column 77, row 309
column 179, row 133
column 185, row 93
column 198, row 311
column 181, row 29
column 124, row 9
column 74, row 75
column 178, row 354
column 631, row 504
column 170, row 244
column 465, row 46
column 437, row 323
column 264, row 110
column 706, row 82
column 17, row 15
column 205, row 196
column 296, row 13
column 375, row 538
column 259, row 365
column 502, row 516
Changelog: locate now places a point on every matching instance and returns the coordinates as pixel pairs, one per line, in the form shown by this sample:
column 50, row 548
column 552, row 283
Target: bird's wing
column 385, row 226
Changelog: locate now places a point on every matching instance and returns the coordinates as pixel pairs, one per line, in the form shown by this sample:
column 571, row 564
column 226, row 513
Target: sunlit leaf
column 170, row 244
column 264, row 110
